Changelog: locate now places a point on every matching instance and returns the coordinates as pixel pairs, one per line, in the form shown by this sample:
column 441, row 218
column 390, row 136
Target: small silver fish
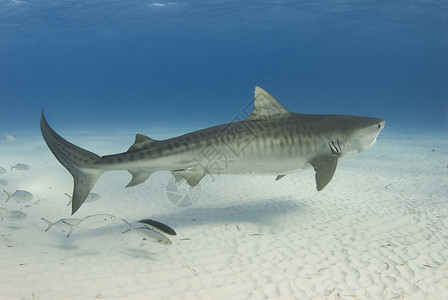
column 3, row 182
column 147, row 233
column 12, row 215
column 90, row 198
column 89, row 222
column 158, row 225
column 63, row 224
column 20, row 196
column 2, row 170
column 20, row 167
column 96, row 221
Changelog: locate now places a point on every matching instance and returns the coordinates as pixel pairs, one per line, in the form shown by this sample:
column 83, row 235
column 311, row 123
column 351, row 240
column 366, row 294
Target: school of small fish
column 148, row 229
column 20, row 196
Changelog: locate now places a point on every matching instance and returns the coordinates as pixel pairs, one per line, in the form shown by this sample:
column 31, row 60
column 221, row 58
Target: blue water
column 191, row 64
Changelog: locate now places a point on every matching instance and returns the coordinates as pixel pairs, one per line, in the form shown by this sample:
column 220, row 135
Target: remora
column 271, row 141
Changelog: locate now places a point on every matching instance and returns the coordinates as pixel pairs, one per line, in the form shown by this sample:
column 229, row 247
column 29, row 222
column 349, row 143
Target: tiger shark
column 270, row 141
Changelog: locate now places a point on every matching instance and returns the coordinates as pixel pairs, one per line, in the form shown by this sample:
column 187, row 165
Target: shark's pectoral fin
column 191, row 176
column 279, row 177
column 325, row 168
column 138, row 177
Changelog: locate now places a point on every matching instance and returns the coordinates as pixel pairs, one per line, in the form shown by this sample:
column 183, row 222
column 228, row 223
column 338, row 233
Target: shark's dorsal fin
column 266, row 106
column 141, row 141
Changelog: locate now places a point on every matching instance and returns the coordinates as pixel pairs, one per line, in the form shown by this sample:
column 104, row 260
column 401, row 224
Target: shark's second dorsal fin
column 266, row 106
column 141, row 141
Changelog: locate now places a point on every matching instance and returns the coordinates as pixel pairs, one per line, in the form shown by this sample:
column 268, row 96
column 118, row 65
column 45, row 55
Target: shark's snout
column 380, row 127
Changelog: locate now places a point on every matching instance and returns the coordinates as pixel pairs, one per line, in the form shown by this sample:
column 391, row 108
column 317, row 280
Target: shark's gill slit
column 334, row 145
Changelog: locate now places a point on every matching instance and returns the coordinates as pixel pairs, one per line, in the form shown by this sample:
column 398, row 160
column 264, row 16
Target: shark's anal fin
column 191, row 176
column 279, row 177
column 141, row 142
column 325, row 167
column 138, row 177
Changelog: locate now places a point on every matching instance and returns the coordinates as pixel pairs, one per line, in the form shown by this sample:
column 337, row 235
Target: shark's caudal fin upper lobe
column 79, row 162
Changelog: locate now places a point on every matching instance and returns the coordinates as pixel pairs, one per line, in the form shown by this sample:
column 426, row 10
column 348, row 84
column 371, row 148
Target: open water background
column 109, row 65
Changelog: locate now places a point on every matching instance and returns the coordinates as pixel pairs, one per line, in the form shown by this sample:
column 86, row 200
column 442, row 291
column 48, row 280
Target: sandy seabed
column 379, row 230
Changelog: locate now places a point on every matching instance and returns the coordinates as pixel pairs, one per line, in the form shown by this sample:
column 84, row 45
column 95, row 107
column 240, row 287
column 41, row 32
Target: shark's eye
column 379, row 126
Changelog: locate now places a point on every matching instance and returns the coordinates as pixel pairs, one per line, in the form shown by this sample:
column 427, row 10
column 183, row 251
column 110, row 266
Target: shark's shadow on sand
column 264, row 211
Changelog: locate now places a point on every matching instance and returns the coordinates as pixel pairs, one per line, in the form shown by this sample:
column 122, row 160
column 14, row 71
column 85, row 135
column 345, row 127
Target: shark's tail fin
column 79, row 162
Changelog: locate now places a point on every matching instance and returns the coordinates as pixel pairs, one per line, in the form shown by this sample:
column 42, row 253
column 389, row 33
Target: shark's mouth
column 374, row 139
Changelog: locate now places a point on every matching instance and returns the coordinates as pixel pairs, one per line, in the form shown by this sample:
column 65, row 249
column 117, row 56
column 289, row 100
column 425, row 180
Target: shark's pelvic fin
column 267, row 107
column 141, row 142
column 76, row 160
column 138, row 177
column 325, row 168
